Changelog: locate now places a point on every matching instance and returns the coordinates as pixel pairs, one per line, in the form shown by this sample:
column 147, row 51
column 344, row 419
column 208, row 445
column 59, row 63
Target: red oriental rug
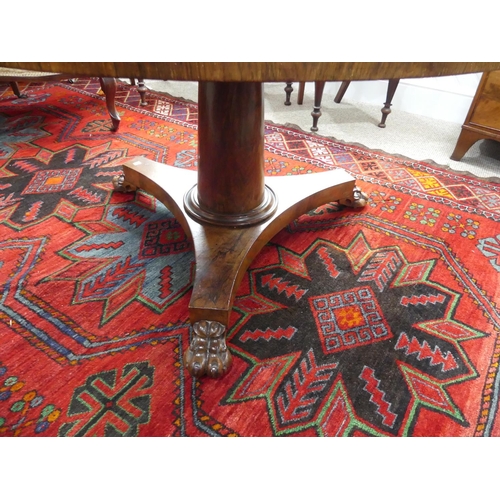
column 374, row 322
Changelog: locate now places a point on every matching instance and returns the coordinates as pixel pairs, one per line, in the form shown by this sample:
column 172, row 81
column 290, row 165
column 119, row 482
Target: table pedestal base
column 224, row 253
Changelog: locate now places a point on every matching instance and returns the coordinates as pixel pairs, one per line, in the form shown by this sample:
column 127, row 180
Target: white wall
column 445, row 98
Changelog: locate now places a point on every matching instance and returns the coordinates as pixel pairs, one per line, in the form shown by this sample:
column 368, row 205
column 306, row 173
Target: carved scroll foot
column 122, row 185
column 208, row 354
column 358, row 200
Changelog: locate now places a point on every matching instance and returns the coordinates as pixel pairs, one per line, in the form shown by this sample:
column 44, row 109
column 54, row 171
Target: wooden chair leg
column 343, row 87
column 288, row 93
column 391, row 89
column 15, row 88
column 132, row 81
column 316, row 112
column 141, row 88
column 108, row 86
column 466, row 140
column 300, row 96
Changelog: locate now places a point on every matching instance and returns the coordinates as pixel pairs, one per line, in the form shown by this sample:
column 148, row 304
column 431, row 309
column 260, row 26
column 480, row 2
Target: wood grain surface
column 259, row 71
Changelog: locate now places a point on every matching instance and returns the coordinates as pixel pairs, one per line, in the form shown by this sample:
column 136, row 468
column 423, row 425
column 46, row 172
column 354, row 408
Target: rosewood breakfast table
column 228, row 207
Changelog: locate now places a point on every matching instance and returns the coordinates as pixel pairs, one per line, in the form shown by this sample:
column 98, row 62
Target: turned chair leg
column 318, row 96
column 142, row 89
column 342, row 90
column 289, row 90
column 288, row 93
column 391, row 89
column 15, row 88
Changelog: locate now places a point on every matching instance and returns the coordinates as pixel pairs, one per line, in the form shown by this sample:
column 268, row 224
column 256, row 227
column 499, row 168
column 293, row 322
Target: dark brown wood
column 230, row 113
column 300, row 96
column 108, row 86
column 223, row 254
column 342, row 90
column 142, row 89
column 15, row 88
column 318, row 96
column 289, row 90
column 391, row 90
column 288, row 93
column 208, row 355
column 483, row 118
column 260, row 71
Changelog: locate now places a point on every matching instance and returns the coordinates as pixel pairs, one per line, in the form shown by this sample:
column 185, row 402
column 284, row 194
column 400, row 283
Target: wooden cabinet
column 483, row 118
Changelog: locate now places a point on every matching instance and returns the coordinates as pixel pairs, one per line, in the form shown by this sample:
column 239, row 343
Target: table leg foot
column 208, row 355
column 465, row 141
column 142, row 89
column 288, row 93
column 223, row 253
column 122, row 185
column 359, row 199
column 108, row 86
column 15, row 88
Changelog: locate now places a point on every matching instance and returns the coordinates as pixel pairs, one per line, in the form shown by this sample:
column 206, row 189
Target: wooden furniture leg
column 391, row 89
column 15, row 88
column 108, row 86
column 342, row 90
column 288, row 93
column 289, row 90
column 466, row 140
column 229, row 209
column 318, row 96
column 142, row 89
column 483, row 118
column 300, row 96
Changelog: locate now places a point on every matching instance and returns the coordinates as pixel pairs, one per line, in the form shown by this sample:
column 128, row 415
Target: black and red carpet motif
column 374, row 322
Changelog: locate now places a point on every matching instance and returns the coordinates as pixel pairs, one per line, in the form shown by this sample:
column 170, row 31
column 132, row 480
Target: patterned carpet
column 374, row 322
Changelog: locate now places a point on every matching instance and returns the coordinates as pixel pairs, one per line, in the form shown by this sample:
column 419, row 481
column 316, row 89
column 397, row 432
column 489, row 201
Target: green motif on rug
column 111, row 403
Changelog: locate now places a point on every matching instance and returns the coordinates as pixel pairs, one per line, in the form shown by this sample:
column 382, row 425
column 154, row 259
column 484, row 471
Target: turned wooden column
column 230, row 179
column 230, row 189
